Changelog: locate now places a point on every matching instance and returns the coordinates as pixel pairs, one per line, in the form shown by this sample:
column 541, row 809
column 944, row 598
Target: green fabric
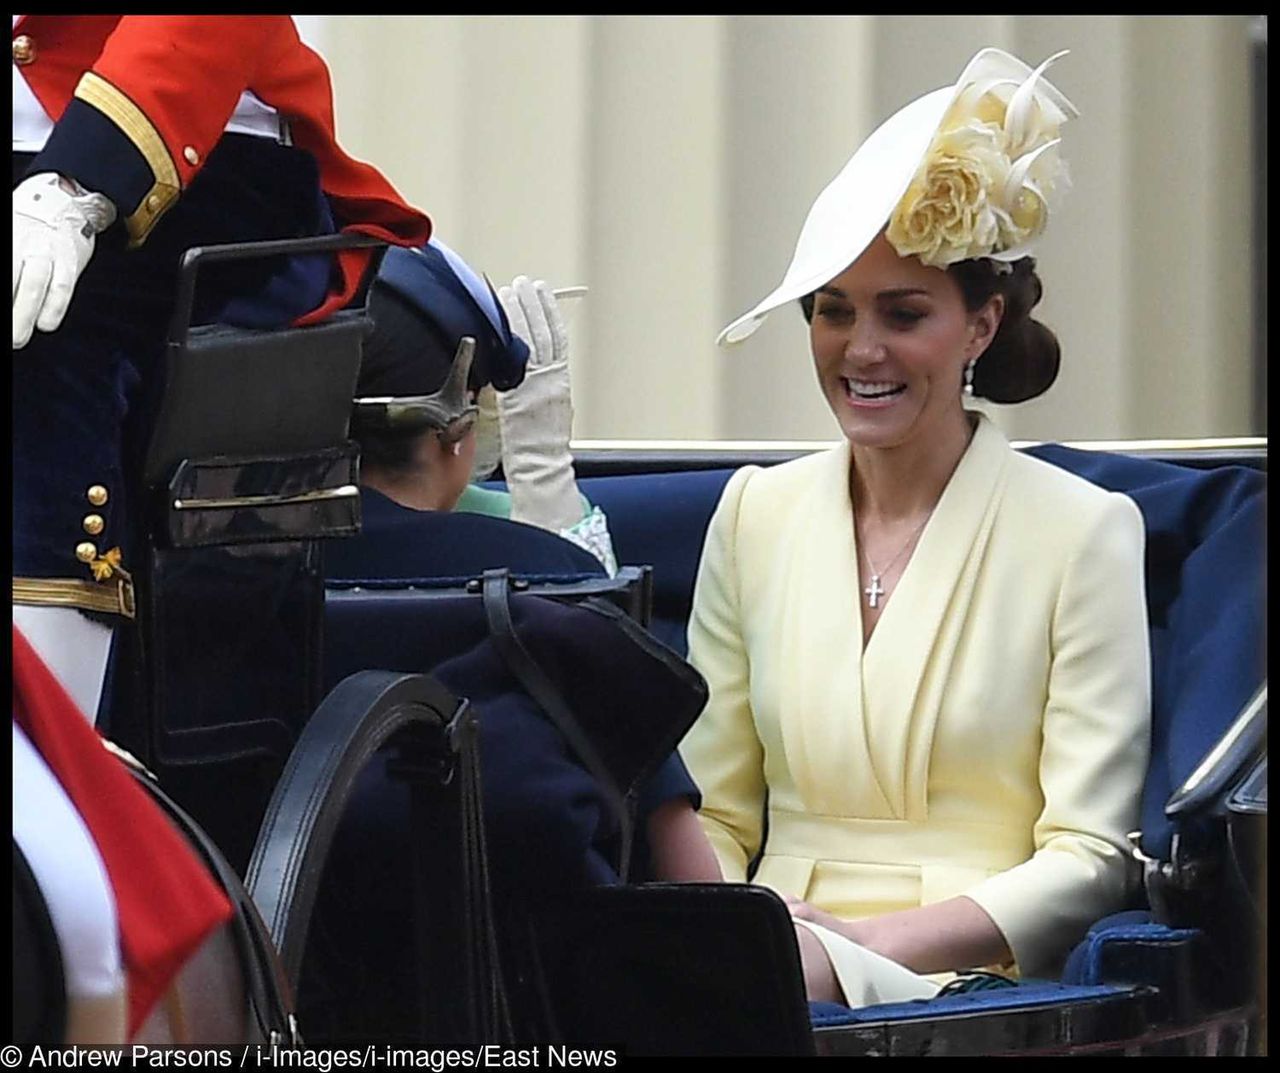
column 496, row 503
column 489, row 501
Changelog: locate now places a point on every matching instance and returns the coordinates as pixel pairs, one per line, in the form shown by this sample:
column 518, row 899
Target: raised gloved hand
column 55, row 223
column 536, row 418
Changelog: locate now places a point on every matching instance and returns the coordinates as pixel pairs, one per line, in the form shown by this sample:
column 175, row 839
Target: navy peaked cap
column 452, row 301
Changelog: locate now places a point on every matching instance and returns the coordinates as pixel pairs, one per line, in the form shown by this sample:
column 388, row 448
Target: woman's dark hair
column 1023, row 358
column 401, row 357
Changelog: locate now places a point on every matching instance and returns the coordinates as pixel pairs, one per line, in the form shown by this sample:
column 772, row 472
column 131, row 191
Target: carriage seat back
column 247, row 465
column 661, row 519
column 247, row 468
column 415, row 624
column 1206, row 603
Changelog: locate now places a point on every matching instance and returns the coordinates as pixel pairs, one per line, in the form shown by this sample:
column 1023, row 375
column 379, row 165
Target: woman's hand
column 802, row 910
column 862, row 932
column 948, row 936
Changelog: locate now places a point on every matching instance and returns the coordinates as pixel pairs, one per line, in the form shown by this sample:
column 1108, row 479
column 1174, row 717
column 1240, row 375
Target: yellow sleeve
column 722, row 750
column 1094, row 750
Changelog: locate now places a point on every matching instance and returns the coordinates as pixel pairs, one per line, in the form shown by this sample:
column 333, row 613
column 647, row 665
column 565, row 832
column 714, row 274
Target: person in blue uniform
column 549, row 828
column 423, row 302
column 413, row 476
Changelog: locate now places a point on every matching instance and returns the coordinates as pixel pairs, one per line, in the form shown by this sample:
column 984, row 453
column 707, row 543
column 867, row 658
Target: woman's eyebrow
column 889, row 295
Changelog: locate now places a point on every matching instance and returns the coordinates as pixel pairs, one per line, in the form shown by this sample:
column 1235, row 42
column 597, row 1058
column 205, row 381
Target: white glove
column 536, row 418
column 55, row 222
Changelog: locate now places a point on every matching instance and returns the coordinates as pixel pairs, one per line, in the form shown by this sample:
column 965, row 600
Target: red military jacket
column 139, row 101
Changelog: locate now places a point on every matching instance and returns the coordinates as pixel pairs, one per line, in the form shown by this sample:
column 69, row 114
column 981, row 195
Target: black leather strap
column 358, row 717
column 489, row 985
column 495, row 585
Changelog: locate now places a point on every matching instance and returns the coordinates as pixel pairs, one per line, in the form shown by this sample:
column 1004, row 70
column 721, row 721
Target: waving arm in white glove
column 536, row 420
column 537, row 417
column 55, row 224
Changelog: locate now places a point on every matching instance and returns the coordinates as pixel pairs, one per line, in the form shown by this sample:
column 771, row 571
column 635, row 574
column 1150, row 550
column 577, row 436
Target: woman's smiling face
column 890, row 340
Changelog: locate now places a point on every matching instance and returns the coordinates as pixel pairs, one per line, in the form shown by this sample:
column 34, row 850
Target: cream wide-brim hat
column 858, row 203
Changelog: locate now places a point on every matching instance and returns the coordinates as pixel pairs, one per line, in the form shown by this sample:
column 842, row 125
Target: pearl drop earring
column 968, row 377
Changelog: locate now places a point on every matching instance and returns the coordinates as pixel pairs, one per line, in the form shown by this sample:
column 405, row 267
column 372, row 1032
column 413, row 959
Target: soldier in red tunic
column 136, row 137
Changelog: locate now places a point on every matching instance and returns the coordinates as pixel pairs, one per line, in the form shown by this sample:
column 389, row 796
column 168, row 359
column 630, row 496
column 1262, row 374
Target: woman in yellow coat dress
column 927, row 653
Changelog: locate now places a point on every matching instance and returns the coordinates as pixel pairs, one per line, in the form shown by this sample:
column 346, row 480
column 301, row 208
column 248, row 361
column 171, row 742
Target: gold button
column 153, row 202
column 24, row 50
column 86, row 552
column 191, row 155
column 97, row 495
column 93, row 524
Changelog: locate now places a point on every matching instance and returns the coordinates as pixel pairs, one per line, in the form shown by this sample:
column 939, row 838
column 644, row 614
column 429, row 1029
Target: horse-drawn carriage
column 258, row 695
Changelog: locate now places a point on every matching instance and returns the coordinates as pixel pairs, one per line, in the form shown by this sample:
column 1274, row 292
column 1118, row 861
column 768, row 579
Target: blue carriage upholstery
column 661, row 519
column 398, row 624
column 1206, row 601
column 1205, row 577
column 1041, row 993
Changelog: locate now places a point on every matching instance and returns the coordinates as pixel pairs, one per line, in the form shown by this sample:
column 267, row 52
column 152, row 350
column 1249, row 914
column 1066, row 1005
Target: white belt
column 32, row 126
column 253, row 117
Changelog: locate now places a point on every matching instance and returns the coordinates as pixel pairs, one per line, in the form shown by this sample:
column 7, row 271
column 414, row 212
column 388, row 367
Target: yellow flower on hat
column 985, row 185
column 948, row 213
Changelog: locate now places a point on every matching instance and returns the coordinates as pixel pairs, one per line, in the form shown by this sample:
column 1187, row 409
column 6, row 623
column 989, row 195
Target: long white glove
column 537, row 417
column 55, row 223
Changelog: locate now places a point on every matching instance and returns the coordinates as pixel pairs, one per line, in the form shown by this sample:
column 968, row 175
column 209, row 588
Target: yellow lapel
column 858, row 728
column 823, row 727
column 907, row 664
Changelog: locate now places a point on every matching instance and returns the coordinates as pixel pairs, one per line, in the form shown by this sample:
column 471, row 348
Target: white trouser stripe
column 74, row 648
column 70, row 873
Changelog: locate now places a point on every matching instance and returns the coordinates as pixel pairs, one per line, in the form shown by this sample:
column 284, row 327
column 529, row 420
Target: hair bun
column 1024, row 357
column 1021, row 363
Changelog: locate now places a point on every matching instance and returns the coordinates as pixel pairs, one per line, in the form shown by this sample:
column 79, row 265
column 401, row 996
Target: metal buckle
column 439, row 764
column 1164, row 882
column 460, row 724
column 1150, row 865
